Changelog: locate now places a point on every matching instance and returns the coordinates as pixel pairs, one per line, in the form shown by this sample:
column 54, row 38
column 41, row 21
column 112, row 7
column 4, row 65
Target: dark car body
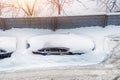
column 55, row 51
column 4, row 54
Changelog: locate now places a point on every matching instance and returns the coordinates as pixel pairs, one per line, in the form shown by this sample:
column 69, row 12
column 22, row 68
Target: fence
column 62, row 22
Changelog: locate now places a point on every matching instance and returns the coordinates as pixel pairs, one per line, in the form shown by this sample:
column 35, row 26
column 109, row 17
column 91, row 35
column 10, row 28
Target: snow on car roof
column 5, row 41
column 72, row 41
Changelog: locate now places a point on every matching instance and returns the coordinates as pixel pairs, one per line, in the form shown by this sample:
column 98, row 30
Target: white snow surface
column 8, row 43
column 23, row 58
column 76, row 43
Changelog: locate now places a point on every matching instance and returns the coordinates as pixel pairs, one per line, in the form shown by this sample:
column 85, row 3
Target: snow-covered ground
column 8, row 43
column 23, row 58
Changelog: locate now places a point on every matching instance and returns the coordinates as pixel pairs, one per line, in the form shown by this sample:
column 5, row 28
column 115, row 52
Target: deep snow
column 8, row 43
column 76, row 43
column 22, row 58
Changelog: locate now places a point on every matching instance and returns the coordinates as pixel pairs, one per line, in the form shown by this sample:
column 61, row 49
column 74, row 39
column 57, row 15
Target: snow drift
column 76, row 43
column 23, row 58
column 8, row 43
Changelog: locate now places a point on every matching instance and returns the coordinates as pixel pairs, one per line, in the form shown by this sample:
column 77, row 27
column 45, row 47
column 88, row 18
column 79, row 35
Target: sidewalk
column 63, row 74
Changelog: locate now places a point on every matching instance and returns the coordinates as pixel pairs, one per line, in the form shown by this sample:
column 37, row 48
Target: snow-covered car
column 54, row 44
column 4, row 54
column 7, row 46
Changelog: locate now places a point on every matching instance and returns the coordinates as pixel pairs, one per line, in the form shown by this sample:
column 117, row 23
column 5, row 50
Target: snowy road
column 63, row 74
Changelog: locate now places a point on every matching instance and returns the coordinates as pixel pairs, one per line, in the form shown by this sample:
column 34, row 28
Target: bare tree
column 18, row 6
column 28, row 8
column 109, row 5
column 59, row 5
column 5, row 6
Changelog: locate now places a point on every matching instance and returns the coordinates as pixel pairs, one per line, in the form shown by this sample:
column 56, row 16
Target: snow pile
column 23, row 58
column 76, row 43
column 8, row 43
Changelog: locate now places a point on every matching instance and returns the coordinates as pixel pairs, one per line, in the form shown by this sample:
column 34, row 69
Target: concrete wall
column 80, row 21
column 113, row 19
column 65, row 22
column 45, row 23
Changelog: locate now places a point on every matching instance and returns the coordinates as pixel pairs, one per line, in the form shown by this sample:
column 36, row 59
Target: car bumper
column 2, row 56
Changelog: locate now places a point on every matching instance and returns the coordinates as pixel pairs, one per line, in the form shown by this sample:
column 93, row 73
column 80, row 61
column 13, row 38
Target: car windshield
column 55, row 49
